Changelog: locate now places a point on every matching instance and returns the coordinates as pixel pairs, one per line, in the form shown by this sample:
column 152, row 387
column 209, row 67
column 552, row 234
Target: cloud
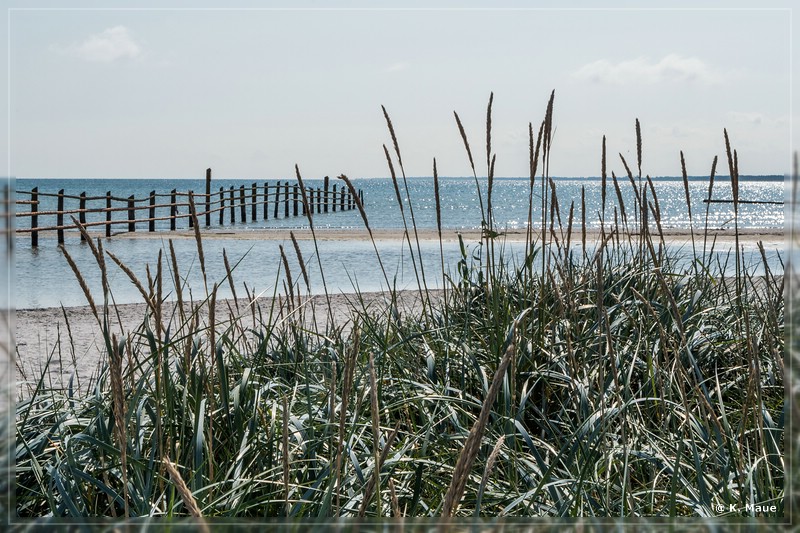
column 397, row 67
column 747, row 118
column 108, row 46
column 672, row 68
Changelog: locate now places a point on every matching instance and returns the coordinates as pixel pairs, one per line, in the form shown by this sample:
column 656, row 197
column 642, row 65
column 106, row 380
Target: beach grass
column 606, row 379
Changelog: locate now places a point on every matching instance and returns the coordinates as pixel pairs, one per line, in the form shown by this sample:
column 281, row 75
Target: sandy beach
column 72, row 337
column 771, row 237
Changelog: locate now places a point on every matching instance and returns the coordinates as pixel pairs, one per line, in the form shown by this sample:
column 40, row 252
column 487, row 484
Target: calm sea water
column 43, row 279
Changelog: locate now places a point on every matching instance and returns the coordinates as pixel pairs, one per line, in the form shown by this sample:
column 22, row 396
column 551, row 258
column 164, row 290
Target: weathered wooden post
column 131, row 215
column 325, row 202
column 208, row 197
column 277, row 199
column 319, row 201
column 221, row 206
column 361, row 196
column 191, row 209
column 108, row 213
column 152, row 212
column 173, row 209
column 266, row 200
column 60, row 216
column 286, row 200
column 34, row 217
column 333, row 198
column 254, row 206
column 242, row 205
column 341, row 206
column 294, row 197
column 233, row 206
column 82, row 212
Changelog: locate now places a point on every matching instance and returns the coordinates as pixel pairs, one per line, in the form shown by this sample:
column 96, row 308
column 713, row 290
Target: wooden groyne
column 234, row 205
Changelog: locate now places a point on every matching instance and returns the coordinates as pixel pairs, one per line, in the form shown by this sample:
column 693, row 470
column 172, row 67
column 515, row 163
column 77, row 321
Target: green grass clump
column 608, row 379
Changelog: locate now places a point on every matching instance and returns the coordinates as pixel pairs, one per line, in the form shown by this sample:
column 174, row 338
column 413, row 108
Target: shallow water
column 42, row 277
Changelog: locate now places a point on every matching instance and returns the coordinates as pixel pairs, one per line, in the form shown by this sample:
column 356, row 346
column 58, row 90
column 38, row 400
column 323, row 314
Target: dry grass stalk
column 212, row 321
column 136, row 283
column 473, row 443
column 603, row 178
column 285, row 454
column 394, row 137
column 487, row 471
column 466, row 143
column 639, row 147
column 183, row 490
column 347, row 385
column 300, row 260
column 489, row 137
column 229, row 275
column 177, row 282
column 360, row 207
column 583, row 220
column 304, row 195
column 620, row 201
column 81, row 280
column 198, row 239
column 374, row 480
column 290, row 284
column 118, row 399
column 376, row 438
column 708, row 204
column 394, row 183
column 394, row 501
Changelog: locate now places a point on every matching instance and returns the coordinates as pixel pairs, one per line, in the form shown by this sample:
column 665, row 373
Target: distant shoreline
column 671, row 235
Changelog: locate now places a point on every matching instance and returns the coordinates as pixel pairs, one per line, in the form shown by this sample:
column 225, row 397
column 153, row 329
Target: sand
column 770, row 237
column 72, row 337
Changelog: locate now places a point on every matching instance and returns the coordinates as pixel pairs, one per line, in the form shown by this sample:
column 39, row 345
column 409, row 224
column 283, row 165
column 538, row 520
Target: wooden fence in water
column 256, row 201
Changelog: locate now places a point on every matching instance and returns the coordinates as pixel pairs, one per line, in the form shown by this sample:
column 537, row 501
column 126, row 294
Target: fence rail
column 283, row 199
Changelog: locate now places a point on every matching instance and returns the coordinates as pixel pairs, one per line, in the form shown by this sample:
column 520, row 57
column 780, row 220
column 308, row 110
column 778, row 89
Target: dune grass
column 617, row 378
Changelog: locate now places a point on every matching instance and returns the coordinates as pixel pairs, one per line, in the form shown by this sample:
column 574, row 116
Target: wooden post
column 60, row 216
column 82, row 213
column 254, row 207
column 325, row 200
column 221, row 206
column 341, row 207
column 242, row 204
column 333, row 198
column 277, row 199
column 152, row 211
column 34, row 217
column 191, row 209
column 294, row 196
column 266, row 200
column 319, row 200
column 108, row 213
column 208, row 197
column 173, row 209
column 233, row 207
column 361, row 196
column 131, row 215
column 286, row 200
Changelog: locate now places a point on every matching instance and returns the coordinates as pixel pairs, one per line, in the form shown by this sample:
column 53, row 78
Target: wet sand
column 671, row 235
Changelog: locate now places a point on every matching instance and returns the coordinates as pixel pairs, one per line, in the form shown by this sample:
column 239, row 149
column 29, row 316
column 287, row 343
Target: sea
column 42, row 277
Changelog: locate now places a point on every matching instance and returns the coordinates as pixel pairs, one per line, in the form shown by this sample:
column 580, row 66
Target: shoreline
column 671, row 235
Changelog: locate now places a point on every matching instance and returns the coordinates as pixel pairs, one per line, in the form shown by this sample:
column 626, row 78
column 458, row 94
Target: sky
column 250, row 93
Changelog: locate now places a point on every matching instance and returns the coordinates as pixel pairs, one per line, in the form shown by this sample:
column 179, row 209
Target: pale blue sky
column 167, row 93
